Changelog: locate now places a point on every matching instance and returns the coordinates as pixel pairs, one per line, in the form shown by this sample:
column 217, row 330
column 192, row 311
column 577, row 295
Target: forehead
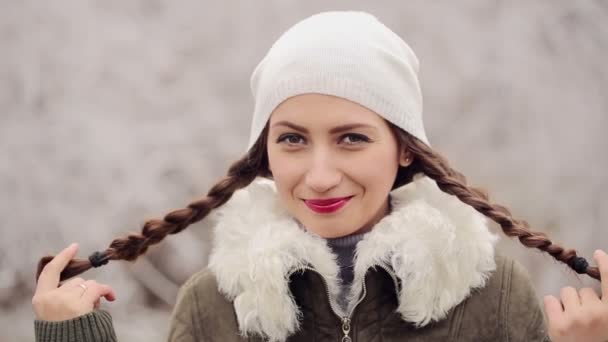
column 320, row 110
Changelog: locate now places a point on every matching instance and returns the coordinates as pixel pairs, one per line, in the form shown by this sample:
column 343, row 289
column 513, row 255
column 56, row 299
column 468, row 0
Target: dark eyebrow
column 349, row 127
column 334, row 130
column 291, row 125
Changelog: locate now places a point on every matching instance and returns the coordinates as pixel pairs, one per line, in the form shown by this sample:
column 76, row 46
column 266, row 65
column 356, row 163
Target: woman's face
column 325, row 147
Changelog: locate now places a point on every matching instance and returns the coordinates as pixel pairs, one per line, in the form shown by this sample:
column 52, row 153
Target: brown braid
column 255, row 163
column 435, row 166
column 240, row 174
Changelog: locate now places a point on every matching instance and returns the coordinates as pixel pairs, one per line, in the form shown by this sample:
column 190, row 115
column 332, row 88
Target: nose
column 322, row 174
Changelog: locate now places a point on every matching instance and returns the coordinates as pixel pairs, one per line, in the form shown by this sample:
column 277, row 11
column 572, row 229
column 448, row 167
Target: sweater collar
column 439, row 247
column 347, row 241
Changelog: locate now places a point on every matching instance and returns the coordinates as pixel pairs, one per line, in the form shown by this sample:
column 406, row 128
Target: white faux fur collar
column 439, row 247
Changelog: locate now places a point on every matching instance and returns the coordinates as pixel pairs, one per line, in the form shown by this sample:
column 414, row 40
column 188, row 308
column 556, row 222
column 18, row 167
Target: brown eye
column 291, row 139
column 354, row 139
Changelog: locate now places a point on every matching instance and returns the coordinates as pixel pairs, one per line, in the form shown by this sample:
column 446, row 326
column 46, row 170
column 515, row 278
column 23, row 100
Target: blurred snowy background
column 113, row 112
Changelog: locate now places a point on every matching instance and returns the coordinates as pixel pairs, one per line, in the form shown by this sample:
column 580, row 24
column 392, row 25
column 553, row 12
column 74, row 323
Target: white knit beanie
column 349, row 54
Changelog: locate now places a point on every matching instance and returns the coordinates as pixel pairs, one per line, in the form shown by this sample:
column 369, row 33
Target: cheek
column 375, row 168
column 285, row 169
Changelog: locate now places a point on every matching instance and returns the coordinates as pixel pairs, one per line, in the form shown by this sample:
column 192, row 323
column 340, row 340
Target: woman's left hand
column 584, row 315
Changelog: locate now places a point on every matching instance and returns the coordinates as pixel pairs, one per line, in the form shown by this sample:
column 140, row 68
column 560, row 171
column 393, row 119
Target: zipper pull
column 346, row 329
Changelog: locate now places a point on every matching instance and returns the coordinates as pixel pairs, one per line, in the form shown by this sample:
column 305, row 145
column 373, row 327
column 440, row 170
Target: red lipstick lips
column 329, row 205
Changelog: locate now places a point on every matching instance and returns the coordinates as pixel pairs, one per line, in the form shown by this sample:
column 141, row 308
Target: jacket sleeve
column 525, row 320
column 95, row 326
column 183, row 327
column 202, row 313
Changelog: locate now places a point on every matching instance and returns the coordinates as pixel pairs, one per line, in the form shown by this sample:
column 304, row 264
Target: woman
column 340, row 222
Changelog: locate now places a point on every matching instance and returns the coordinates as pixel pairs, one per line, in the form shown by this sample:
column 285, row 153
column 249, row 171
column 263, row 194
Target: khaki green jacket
column 428, row 271
column 506, row 309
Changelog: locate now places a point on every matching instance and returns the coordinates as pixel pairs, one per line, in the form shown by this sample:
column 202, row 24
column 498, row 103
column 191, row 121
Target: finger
column 96, row 290
column 588, row 295
column 602, row 261
column 71, row 282
column 570, row 298
column 81, row 288
column 97, row 304
column 49, row 277
column 77, row 287
column 553, row 309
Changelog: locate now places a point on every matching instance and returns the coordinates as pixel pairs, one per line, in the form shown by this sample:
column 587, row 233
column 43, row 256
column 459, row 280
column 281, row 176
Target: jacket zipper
column 346, row 320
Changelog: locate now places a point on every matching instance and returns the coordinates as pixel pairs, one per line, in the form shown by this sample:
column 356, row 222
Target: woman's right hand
column 75, row 297
column 580, row 315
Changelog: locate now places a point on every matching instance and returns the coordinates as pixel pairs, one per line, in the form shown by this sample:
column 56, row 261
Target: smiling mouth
column 327, row 205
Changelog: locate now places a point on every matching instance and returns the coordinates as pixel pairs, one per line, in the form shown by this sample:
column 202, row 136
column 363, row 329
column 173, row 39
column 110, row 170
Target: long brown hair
column 255, row 164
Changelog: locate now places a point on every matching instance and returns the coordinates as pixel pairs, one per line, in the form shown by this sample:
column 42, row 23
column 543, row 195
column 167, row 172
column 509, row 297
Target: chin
column 327, row 231
column 338, row 235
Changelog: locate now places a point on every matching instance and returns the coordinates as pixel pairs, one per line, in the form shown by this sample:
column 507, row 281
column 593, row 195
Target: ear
column 406, row 158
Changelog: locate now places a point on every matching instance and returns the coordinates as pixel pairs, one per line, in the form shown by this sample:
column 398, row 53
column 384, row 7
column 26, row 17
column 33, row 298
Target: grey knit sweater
column 344, row 248
column 95, row 326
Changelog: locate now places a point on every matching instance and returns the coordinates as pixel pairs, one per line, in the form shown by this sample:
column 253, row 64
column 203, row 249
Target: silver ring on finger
column 84, row 287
